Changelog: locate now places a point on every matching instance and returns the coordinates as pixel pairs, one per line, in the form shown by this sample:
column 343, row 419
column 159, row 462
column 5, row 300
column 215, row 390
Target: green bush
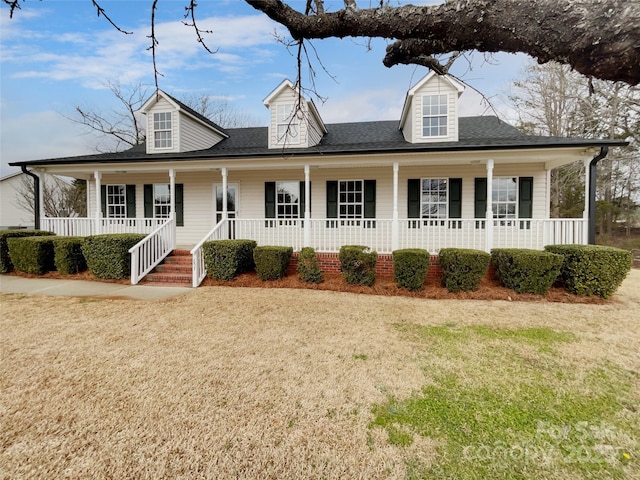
column 358, row 264
column 592, row 269
column 5, row 261
column 410, row 267
column 271, row 261
column 526, row 271
column 68, row 255
column 108, row 255
column 31, row 254
column 226, row 259
column 308, row 267
column 463, row 269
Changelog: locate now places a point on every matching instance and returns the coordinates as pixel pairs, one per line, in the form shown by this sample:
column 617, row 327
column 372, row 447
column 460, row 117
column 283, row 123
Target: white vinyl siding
column 163, row 106
column 195, row 136
column 413, row 128
column 309, row 130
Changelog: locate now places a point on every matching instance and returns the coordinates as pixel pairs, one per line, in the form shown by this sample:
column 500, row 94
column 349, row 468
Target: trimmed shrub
column 271, row 262
column 68, row 255
column 31, row 254
column 592, row 269
column 358, row 264
column 463, row 269
column 410, row 267
column 308, row 267
column 226, row 259
column 5, row 261
column 526, row 271
column 108, row 255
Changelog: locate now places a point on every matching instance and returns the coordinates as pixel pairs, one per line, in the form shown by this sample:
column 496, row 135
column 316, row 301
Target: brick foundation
column 330, row 263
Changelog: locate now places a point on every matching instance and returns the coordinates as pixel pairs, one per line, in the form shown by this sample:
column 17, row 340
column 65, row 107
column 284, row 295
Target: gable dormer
column 295, row 121
column 173, row 127
column 430, row 112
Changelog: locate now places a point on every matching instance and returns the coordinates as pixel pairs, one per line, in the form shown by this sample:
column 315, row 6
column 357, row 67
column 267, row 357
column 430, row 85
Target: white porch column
column 395, row 228
column 225, row 207
column 585, row 211
column 307, row 208
column 489, row 213
column 172, row 192
column 98, row 207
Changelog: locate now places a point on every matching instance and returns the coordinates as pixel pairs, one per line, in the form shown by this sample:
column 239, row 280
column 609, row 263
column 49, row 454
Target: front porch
column 327, row 235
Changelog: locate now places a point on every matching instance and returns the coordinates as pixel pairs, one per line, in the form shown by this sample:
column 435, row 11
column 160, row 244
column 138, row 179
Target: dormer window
column 288, row 124
column 434, row 115
column 162, row 133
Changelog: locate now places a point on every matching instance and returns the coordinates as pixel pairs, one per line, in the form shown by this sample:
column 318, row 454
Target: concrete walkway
column 84, row 288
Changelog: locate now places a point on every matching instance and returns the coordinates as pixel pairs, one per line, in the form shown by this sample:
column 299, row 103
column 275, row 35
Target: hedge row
column 308, row 266
column 463, row 269
column 5, row 260
column 108, row 255
column 410, row 267
column 526, row 271
column 271, row 262
column 358, row 264
column 226, row 259
column 592, row 269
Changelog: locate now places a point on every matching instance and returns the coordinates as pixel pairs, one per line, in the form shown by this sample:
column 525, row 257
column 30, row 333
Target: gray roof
column 197, row 115
column 475, row 133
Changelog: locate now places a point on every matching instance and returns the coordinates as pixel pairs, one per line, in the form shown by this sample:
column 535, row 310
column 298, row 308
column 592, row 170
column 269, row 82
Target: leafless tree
column 60, row 197
column 220, row 111
column 553, row 100
column 120, row 127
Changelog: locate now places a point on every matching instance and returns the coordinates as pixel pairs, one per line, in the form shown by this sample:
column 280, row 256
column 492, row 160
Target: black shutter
column 103, row 199
column 525, row 197
column 455, row 198
column 369, row 199
column 148, row 201
column 302, row 199
column 480, row 197
column 179, row 204
column 269, row 199
column 131, row 201
column 413, row 198
column 332, row 199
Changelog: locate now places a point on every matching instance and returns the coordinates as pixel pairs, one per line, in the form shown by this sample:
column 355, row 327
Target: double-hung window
column 434, row 198
column 350, row 199
column 162, row 131
column 116, row 201
column 504, row 197
column 436, row 201
column 161, row 200
column 434, row 115
column 287, row 199
column 287, row 124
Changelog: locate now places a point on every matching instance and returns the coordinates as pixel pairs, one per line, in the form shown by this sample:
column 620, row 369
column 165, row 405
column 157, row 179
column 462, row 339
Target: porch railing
column 219, row 232
column 152, row 249
column 329, row 234
column 83, row 227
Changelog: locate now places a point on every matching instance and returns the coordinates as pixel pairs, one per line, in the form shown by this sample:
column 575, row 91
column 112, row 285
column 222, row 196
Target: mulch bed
column 490, row 288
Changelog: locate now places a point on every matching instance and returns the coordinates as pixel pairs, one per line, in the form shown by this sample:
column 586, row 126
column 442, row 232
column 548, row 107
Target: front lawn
column 278, row 383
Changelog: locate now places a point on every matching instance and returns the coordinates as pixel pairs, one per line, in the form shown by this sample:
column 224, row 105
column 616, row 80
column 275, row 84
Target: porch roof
column 475, row 133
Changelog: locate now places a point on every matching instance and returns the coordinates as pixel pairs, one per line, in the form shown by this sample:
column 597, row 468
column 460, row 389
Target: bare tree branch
column 191, row 8
column 102, row 12
column 154, row 42
column 595, row 38
column 13, row 5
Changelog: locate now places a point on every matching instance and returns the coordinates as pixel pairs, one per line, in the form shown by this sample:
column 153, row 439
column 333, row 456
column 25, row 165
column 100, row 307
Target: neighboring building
column 12, row 213
column 428, row 180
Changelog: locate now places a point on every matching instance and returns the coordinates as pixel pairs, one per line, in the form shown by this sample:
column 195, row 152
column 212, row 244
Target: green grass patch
column 501, row 403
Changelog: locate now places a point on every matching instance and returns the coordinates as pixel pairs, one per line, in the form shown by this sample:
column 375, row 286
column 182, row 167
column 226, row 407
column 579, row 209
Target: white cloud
column 363, row 105
column 45, row 134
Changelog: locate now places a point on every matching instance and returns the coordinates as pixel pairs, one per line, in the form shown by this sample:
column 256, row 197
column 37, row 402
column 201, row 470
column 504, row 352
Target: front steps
column 174, row 271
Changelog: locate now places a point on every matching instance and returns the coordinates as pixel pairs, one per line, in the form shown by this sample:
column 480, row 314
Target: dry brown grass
column 242, row 382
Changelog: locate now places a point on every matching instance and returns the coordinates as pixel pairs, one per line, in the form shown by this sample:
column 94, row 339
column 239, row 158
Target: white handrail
column 197, row 257
column 152, row 249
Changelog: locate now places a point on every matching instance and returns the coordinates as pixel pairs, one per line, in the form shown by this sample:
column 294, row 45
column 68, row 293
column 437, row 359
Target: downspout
column 592, row 193
column 36, row 196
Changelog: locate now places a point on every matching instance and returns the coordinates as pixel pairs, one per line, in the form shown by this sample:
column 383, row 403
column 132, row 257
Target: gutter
column 592, row 193
column 36, row 196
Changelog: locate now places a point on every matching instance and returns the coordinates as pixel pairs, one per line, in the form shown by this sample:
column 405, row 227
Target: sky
column 59, row 54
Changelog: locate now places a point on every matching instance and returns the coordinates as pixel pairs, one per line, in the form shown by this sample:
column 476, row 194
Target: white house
column 430, row 179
